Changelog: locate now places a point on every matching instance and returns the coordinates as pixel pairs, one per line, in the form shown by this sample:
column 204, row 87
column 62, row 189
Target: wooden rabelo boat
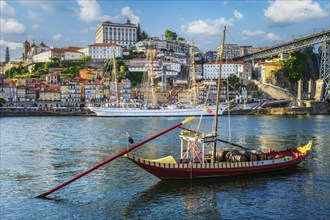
column 200, row 157
column 194, row 164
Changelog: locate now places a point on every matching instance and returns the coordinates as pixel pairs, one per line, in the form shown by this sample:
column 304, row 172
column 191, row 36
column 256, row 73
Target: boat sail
column 201, row 158
column 133, row 109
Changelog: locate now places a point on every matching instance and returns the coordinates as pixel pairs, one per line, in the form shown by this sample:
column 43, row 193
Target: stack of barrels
column 238, row 155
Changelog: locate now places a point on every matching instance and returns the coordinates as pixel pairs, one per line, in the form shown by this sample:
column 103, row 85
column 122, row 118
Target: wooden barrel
column 250, row 156
column 235, row 156
column 260, row 155
column 220, row 155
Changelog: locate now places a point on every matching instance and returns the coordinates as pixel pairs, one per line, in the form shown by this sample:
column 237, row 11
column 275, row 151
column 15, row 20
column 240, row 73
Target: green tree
column 233, row 81
column 55, row 59
column 169, row 35
column 143, row 35
column 295, row 66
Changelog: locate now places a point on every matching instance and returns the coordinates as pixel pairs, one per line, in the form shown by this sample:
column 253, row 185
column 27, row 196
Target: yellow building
column 50, row 94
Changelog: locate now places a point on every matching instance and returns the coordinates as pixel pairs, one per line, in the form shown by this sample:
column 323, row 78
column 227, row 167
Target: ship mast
column 218, row 93
column 152, row 79
column 115, row 73
column 193, row 64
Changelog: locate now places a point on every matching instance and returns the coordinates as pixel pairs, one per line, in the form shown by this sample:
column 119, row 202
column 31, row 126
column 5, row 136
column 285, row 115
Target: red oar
column 112, row 158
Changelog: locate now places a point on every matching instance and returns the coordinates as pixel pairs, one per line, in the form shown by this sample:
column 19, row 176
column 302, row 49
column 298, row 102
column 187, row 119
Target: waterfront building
column 88, row 73
column 125, row 90
column 21, row 93
column 53, row 78
column 265, row 70
column 160, row 68
column 104, row 51
column 32, row 91
column 211, row 69
column 124, row 34
column 185, row 96
column 89, row 92
column 50, row 93
column 8, row 91
column 245, row 71
column 70, row 92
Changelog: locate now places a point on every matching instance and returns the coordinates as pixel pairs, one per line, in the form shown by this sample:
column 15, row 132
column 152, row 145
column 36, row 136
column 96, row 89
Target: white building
column 64, row 54
column 104, row 51
column 123, row 34
column 211, row 70
column 167, row 68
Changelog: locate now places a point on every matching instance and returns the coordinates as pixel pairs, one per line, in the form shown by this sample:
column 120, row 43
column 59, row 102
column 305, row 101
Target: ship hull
column 140, row 112
column 166, row 171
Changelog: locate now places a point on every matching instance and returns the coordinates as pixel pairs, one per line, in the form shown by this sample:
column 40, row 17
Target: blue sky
column 73, row 22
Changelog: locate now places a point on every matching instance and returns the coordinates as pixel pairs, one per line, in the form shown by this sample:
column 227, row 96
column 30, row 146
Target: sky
column 62, row 23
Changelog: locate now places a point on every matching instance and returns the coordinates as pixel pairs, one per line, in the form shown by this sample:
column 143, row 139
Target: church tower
column 26, row 49
column 7, row 59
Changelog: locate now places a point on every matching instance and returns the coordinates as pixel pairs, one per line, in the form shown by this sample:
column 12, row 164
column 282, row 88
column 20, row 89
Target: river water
column 38, row 153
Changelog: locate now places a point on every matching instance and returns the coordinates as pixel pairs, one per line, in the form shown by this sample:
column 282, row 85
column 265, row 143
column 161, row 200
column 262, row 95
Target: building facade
column 211, row 70
column 125, row 34
column 104, row 51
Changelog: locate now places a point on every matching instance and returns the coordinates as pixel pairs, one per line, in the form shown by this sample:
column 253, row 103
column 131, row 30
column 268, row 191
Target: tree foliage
column 295, row 66
column 233, row 81
column 169, row 35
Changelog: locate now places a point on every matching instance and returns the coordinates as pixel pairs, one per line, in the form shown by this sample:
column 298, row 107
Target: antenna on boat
column 218, row 94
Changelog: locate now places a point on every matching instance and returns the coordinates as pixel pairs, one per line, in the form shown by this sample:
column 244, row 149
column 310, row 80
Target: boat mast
column 193, row 64
column 152, row 79
column 218, row 93
column 114, row 71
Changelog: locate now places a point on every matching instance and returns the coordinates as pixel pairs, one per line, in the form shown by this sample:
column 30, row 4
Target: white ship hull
column 140, row 112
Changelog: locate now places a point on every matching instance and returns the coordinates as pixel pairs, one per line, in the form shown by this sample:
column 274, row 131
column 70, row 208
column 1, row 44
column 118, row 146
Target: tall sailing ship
column 153, row 109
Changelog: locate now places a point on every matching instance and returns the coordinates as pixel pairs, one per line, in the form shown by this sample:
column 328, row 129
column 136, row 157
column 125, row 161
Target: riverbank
column 263, row 111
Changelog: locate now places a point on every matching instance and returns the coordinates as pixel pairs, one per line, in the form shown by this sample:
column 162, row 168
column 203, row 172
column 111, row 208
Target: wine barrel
column 235, row 156
column 260, row 155
column 220, row 155
column 251, row 156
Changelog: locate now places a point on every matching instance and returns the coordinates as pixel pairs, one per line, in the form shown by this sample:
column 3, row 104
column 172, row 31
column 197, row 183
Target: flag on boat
column 129, row 138
column 208, row 110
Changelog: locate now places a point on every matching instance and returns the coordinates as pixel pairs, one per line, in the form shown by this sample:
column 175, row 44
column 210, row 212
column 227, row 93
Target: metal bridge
column 322, row 38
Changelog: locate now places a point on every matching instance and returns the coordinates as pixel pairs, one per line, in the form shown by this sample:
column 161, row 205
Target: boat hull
column 140, row 112
column 220, row 169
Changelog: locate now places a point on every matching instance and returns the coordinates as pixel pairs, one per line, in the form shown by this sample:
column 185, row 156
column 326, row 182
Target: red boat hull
column 290, row 158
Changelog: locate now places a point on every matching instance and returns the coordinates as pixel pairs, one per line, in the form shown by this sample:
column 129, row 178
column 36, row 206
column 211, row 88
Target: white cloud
column 249, row 33
column 129, row 13
column 11, row 45
column 290, row 12
column 272, row 37
column 90, row 11
column 205, row 27
column 11, row 26
column 238, row 15
column 6, row 9
column 57, row 37
column 262, row 35
column 32, row 15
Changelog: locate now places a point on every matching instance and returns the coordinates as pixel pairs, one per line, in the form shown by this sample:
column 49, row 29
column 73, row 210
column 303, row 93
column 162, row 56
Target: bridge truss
column 322, row 38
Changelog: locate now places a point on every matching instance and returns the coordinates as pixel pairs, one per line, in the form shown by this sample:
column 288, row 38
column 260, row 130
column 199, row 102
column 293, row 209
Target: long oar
column 112, row 158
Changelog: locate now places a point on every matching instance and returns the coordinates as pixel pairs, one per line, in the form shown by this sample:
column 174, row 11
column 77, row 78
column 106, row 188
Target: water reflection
column 192, row 198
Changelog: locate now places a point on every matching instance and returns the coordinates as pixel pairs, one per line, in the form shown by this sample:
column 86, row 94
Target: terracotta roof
column 105, row 45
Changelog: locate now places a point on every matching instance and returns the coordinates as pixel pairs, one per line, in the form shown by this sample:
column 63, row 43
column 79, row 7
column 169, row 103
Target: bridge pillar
column 325, row 68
